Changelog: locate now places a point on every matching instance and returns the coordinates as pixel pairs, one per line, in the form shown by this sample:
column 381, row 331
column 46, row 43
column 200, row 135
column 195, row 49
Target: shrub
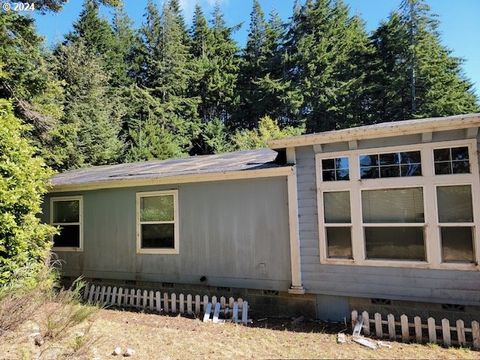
column 24, row 240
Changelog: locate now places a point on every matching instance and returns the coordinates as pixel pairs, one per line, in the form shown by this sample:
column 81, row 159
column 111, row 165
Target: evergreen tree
column 416, row 75
column 89, row 110
column 323, row 49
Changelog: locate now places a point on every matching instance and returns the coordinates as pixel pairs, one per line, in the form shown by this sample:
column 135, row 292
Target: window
column 405, row 214
column 393, row 221
column 338, row 224
column 335, row 169
column 66, row 214
column 451, row 161
column 157, row 222
column 390, row 165
column 455, row 217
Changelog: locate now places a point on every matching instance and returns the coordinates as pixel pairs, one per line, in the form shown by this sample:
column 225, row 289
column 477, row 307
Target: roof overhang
column 173, row 180
column 381, row 130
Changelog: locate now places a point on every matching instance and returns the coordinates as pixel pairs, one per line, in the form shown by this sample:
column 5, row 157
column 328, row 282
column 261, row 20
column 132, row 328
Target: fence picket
column 145, row 299
column 391, row 327
column 240, row 304
column 447, row 341
column 85, row 292
column 113, row 299
column 235, row 312
column 119, row 296
column 138, row 298
column 158, row 303
column 165, row 302
column 405, row 329
column 197, row 304
column 378, row 325
column 181, row 303
column 205, row 302
column 97, row 294
column 174, row 303
column 354, row 318
column 418, row 328
column 245, row 312
column 366, row 323
column 101, row 300
column 461, row 333
column 92, row 292
column 432, row 330
column 222, row 302
column 231, row 300
column 150, row 300
column 476, row 334
column 132, row 298
column 189, row 304
column 214, row 300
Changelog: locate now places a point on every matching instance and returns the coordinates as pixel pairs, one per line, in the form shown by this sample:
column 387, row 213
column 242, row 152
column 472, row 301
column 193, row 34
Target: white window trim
column 80, row 222
column 173, row 251
column 428, row 181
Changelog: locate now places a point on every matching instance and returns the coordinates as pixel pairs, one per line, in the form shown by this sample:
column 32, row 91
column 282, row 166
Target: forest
column 111, row 93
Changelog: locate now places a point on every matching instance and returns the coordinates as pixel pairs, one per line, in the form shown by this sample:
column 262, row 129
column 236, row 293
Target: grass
column 157, row 337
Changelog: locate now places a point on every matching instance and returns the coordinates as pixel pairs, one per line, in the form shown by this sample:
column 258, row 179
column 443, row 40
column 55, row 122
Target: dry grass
column 159, row 337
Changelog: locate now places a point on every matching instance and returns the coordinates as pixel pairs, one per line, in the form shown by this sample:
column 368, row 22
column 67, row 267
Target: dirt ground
column 154, row 336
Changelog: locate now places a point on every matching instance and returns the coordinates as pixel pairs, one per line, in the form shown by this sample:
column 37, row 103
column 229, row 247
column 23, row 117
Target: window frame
column 428, row 181
column 139, row 249
column 78, row 198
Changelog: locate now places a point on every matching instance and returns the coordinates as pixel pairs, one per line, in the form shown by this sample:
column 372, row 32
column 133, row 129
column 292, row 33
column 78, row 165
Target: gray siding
column 444, row 286
column 228, row 229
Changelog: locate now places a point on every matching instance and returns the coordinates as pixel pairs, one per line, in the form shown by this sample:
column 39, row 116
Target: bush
column 24, row 240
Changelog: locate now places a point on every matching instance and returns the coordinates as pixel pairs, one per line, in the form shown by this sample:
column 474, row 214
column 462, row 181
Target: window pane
column 342, row 174
column 460, row 153
column 443, row 168
column 156, row 208
column 66, row 211
column 389, row 171
column 389, row 159
column 328, row 175
column 454, row 203
column 339, row 243
column 69, row 236
column 461, row 167
column 158, row 236
column 411, row 170
column 337, row 207
column 328, row 164
column 410, row 157
column 393, row 206
column 368, row 160
column 457, row 244
column 341, row 163
column 395, row 243
column 441, row 155
column 369, row 173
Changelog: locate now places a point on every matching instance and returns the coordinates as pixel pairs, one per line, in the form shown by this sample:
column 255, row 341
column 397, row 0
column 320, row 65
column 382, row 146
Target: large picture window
column 157, row 222
column 403, row 206
column 66, row 215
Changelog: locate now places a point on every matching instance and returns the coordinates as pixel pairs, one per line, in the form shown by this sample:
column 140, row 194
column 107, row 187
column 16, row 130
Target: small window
column 67, row 215
column 335, row 169
column 338, row 224
column 455, row 217
column 397, row 164
column 157, row 230
column 451, row 161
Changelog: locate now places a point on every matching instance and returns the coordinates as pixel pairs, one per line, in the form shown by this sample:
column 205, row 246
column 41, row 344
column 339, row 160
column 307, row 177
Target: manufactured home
column 384, row 216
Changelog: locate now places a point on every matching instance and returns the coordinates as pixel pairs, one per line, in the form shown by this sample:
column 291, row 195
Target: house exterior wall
column 343, row 282
column 235, row 233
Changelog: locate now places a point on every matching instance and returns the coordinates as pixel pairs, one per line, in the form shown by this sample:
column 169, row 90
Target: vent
column 270, row 292
column 168, row 285
column 381, row 301
column 223, row 288
column 453, row 307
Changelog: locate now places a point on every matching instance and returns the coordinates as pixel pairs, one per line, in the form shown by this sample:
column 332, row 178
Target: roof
column 241, row 163
column 384, row 129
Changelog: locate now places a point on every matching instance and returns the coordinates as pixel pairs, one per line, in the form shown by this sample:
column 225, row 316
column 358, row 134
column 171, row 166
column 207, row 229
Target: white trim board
column 176, row 221
column 180, row 179
column 428, row 181
column 381, row 130
column 78, row 198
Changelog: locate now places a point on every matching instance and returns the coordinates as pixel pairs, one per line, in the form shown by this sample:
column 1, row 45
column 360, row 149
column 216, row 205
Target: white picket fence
column 419, row 331
column 236, row 310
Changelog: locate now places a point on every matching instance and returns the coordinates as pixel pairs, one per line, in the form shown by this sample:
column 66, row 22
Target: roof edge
column 177, row 179
column 385, row 129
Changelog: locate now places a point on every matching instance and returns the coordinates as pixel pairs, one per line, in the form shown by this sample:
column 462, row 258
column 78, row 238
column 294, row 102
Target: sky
column 459, row 24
